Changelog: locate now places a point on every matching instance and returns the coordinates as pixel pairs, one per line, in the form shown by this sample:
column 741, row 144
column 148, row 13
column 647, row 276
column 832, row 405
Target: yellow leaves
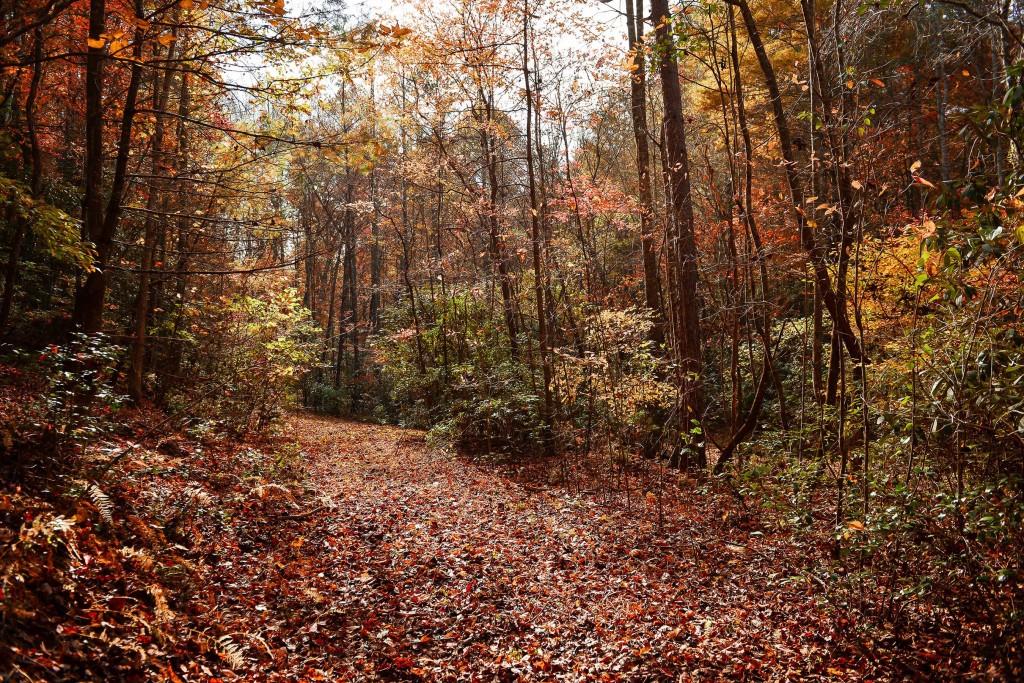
column 915, row 166
column 856, row 184
column 117, row 46
column 274, row 7
column 396, row 32
column 114, row 42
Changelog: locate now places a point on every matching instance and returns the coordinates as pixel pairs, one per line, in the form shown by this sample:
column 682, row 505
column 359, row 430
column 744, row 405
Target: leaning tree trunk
column 835, row 306
column 538, row 263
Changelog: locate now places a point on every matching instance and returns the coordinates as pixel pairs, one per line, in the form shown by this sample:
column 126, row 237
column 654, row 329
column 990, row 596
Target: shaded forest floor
column 346, row 551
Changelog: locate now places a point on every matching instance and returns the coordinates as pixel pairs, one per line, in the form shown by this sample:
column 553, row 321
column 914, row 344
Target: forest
column 511, row 340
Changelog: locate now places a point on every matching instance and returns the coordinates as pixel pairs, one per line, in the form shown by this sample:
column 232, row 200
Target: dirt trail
column 440, row 569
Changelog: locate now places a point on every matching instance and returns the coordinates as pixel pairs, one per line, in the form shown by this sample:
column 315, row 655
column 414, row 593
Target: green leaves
column 58, row 233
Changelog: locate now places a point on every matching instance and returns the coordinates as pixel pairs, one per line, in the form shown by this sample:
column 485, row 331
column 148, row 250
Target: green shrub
column 81, row 388
column 248, row 356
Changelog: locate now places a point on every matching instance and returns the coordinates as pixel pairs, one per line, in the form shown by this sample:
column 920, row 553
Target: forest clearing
column 515, row 340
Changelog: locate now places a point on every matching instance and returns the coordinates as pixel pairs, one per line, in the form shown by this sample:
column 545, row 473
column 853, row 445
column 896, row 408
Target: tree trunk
column 88, row 312
column 35, row 179
column 494, row 236
column 835, row 307
column 91, row 297
column 682, row 248
column 535, row 228
column 638, row 113
column 161, row 94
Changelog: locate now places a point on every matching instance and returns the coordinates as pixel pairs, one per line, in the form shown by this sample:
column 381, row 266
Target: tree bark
column 535, row 228
column 35, row 179
column 494, row 236
column 161, row 94
column 88, row 312
column 682, row 248
column 638, row 114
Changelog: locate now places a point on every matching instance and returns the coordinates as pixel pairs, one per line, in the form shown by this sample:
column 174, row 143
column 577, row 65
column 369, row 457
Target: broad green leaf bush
column 59, row 234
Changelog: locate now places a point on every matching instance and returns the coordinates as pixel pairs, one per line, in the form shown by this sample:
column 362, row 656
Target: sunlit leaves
column 59, row 233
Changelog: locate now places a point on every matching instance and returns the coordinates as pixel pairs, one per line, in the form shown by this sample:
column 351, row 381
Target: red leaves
column 403, row 662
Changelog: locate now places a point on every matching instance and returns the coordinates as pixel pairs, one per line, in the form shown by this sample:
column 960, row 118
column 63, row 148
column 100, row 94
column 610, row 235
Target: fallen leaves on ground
column 386, row 559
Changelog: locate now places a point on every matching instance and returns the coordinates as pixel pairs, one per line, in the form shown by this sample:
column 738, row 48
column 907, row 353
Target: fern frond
column 102, row 502
column 230, row 652
column 264, row 491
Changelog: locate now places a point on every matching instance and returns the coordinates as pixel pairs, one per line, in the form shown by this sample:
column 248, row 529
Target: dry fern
column 102, row 502
column 230, row 652
column 272, row 491
column 194, row 495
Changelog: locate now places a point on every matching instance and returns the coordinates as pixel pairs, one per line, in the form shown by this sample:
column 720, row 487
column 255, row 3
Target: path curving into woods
column 436, row 568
